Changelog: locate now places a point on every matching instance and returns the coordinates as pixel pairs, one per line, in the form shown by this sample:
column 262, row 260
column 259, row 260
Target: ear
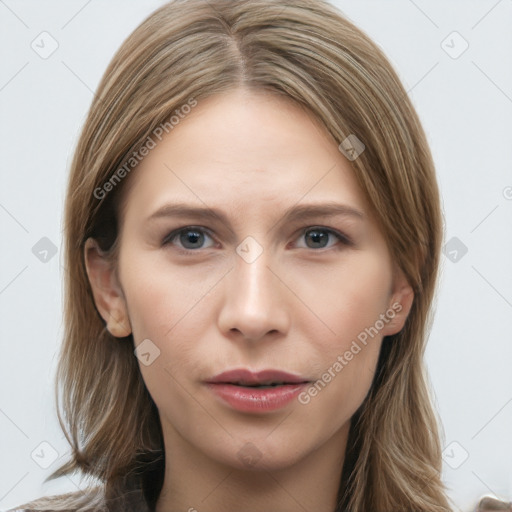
column 400, row 303
column 107, row 292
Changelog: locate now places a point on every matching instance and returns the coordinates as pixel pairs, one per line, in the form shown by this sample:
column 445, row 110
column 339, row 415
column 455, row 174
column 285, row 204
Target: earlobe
column 400, row 304
column 106, row 290
column 119, row 328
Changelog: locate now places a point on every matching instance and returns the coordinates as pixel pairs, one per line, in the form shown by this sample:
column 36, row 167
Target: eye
column 319, row 237
column 190, row 238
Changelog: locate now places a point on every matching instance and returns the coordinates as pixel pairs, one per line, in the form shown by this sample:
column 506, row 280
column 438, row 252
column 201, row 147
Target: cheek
column 166, row 316
column 166, row 308
column 346, row 332
column 345, row 300
column 161, row 298
column 159, row 314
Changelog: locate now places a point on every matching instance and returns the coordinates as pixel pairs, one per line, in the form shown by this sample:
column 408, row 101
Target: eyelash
column 345, row 241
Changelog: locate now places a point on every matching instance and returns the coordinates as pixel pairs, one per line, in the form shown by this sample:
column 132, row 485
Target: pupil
column 190, row 237
column 317, row 236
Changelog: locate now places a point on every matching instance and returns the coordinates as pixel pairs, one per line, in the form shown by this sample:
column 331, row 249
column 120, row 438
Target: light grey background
column 465, row 102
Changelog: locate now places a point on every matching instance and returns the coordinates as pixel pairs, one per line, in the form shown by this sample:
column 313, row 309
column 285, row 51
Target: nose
column 254, row 300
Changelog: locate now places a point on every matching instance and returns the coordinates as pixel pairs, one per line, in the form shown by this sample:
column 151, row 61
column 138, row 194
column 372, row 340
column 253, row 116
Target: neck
column 196, row 482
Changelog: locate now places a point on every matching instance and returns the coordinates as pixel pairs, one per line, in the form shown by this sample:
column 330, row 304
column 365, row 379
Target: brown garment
column 134, row 502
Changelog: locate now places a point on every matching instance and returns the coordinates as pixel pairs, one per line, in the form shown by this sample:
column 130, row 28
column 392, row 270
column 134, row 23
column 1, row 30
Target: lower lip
column 255, row 399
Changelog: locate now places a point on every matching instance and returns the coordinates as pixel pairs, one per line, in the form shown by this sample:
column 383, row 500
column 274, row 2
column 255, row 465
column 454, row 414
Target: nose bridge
column 254, row 302
column 253, row 278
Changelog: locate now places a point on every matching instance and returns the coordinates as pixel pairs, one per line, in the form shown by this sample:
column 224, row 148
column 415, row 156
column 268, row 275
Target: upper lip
column 247, row 377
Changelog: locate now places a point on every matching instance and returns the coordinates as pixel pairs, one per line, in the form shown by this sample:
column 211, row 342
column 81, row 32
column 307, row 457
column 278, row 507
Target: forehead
column 242, row 148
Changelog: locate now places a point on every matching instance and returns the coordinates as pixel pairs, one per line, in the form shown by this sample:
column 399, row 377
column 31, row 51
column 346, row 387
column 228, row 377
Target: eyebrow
column 294, row 213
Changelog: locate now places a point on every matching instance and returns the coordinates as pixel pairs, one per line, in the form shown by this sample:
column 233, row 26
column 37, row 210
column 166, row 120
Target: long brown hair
column 306, row 51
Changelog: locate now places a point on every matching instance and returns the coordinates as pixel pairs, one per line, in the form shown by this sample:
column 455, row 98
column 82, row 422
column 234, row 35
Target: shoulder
column 90, row 500
column 488, row 504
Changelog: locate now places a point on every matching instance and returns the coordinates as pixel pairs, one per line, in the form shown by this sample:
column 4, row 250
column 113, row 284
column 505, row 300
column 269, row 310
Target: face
column 246, row 244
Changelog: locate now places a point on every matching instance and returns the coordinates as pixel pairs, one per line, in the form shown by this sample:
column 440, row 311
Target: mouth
column 262, row 379
column 261, row 386
column 257, row 393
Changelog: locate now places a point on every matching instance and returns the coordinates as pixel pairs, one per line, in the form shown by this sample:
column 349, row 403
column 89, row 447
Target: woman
column 259, row 369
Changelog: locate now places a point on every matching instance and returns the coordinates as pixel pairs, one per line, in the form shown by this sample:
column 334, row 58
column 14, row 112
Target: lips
column 264, row 378
column 256, row 392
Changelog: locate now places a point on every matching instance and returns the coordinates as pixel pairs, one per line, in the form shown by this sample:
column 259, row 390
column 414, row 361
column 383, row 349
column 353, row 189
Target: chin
column 260, row 455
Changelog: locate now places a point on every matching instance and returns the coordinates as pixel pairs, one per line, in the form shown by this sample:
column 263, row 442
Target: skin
column 297, row 307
